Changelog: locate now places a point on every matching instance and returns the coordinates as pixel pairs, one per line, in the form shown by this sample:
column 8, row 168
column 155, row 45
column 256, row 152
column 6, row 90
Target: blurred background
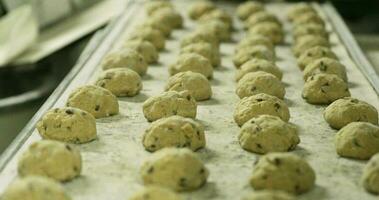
column 41, row 40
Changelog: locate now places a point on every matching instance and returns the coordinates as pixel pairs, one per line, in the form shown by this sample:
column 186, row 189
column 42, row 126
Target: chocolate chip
column 253, row 88
column 297, row 188
column 153, row 146
column 150, row 170
column 76, row 169
column 202, row 171
column 277, row 106
column 174, row 112
column 97, row 108
column 277, row 161
column 183, row 182
column 69, row 112
column 68, row 147
column 258, row 128
column 259, row 100
column 189, row 97
column 354, row 101
column 258, row 145
column 356, row 143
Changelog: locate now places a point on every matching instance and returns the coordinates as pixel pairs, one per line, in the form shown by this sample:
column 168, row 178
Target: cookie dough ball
column 192, row 62
column 199, row 36
column 309, row 29
column 307, row 42
column 283, row 171
column 35, row 188
column 370, row 177
column 308, row 18
column 52, row 159
column 358, row 140
column 168, row 104
column 174, row 131
column 299, row 10
column 218, row 14
column 261, row 17
column 260, row 82
column 254, row 52
column 126, row 58
column 255, row 65
column 153, row 6
column 96, row 100
column 155, row 193
column 216, row 27
column 152, row 35
column 267, row 133
column 120, row 81
column 204, row 49
column 270, row 29
column 196, row 83
column 269, row 195
column 324, row 89
column 200, row 8
column 178, row 169
column 255, row 40
column 245, row 10
column 145, row 48
column 67, row 125
column 260, row 104
column 155, row 24
column 314, row 53
column 325, row 66
column 346, row 110
column 170, row 17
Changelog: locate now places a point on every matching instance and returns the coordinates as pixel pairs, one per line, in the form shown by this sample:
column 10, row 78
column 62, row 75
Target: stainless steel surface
column 111, row 163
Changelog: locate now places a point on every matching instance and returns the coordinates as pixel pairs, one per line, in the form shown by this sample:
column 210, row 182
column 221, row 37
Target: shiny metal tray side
column 111, row 163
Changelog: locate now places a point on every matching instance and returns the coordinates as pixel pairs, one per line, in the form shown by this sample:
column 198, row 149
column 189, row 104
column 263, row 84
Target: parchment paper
column 112, row 162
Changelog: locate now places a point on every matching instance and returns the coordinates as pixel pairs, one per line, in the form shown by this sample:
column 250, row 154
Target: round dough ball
column 308, row 18
column 218, row 14
column 98, row 101
column 67, row 125
column 283, row 171
column 314, row 53
column 192, row 62
column 152, row 35
column 204, row 49
column 325, row 66
column 269, row 195
column 199, row 36
column 200, row 8
column 255, row 65
column 346, row 110
column 270, row 29
column 267, row 133
column 358, row 140
column 145, row 48
column 170, row 17
column 260, row 104
column 324, row 89
column 155, row 193
column 168, row 104
column 35, row 188
column 254, row 52
column 260, row 82
column 174, row 131
column 370, row 177
column 155, row 24
column 120, row 81
column 309, row 29
column 152, row 6
column 196, row 83
column 306, row 42
column 261, row 17
column 178, row 169
column 245, row 10
column 255, row 40
column 299, row 10
column 52, row 159
column 126, row 58
column 216, row 27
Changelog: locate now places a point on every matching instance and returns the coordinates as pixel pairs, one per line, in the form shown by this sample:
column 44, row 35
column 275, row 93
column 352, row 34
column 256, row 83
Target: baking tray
column 112, row 162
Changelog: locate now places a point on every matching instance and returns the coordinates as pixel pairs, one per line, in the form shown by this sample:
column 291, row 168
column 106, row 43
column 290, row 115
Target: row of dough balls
column 356, row 119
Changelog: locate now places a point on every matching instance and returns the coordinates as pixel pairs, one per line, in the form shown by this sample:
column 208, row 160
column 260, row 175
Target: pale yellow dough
column 145, row 48
column 267, row 133
column 152, row 35
column 245, row 10
column 254, row 40
column 177, row 169
column 96, row 100
column 325, row 66
column 125, row 58
column 200, row 36
column 205, row 49
column 200, row 8
column 216, row 27
column 313, row 54
column 174, row 131
column 270, row 29
column 218, row 14
column 192, row 62
column 67, row 125
column 269, row 195
column 309, row 41
column 52, row 159
column 283, row 171
column 254, row 52
column 261, row 17
column 255, row 65
column 370, row 177
column 168, row 104
column 169, row 17
column 299, row 9
column 309, row 29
